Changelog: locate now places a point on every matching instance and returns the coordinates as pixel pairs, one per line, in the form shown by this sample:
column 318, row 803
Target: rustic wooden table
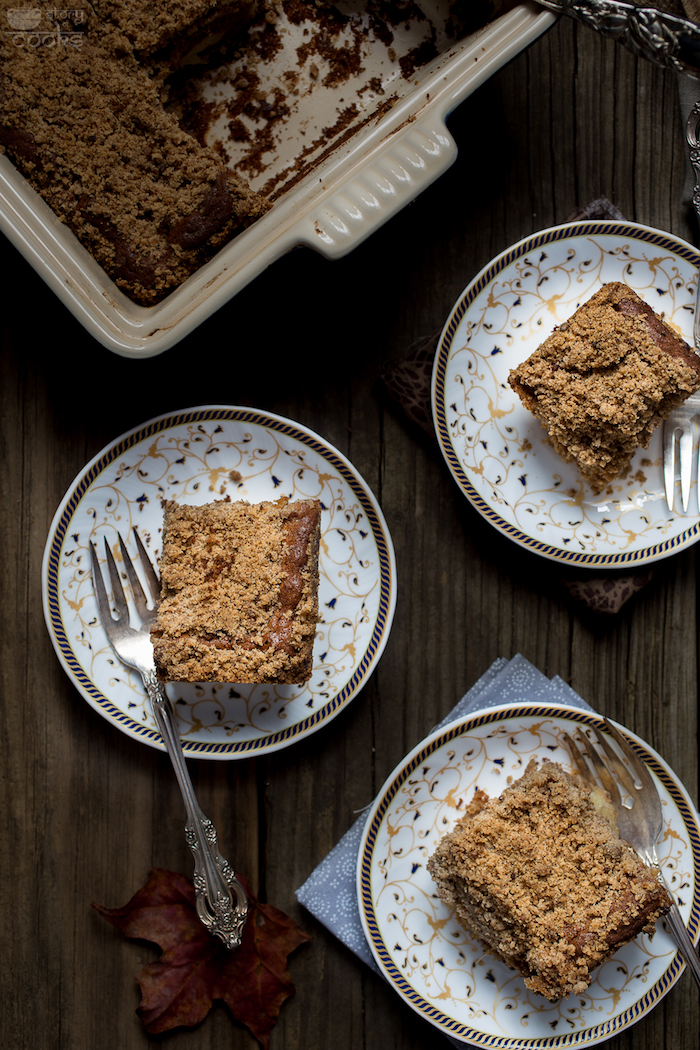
column 85, row 810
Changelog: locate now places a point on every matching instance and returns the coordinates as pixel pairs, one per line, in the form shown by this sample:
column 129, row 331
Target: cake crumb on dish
column 544, row 881
column 603, row 381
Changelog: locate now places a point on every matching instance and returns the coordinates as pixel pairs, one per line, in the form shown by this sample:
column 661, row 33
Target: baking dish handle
column 402, row 167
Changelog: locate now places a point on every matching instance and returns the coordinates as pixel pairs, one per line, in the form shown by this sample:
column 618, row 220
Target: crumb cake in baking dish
column 604, row 380
column 84, row 121
column 541, row 878
column 239, row 592
column 94, row 115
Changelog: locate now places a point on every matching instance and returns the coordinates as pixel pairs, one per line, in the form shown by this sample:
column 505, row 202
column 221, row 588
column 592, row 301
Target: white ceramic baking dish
column 346, row 193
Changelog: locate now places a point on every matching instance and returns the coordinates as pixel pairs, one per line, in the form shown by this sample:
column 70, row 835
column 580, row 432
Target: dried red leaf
column 196, row 968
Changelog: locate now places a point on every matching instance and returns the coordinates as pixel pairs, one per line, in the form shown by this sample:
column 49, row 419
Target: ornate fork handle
column 692, row 135
column 222, row 905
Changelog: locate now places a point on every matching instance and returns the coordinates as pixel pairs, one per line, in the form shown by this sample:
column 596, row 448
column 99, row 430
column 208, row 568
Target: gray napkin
column 329, row 893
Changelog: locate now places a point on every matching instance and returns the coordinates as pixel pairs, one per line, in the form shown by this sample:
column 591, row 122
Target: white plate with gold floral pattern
column 498, row 452
column 196, row 456
column 433, row 964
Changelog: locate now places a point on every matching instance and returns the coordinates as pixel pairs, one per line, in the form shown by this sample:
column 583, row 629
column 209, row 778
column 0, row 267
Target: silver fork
column 679, row 424
column 639, row 815
column 222, row 905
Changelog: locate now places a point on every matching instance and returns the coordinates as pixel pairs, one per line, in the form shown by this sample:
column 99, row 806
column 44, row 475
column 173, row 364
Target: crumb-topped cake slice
column 604, row 380
column 542, row 879
column 239, row 592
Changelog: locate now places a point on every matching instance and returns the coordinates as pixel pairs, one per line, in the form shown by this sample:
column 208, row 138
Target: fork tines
column 678, row 432
column 685, row 458
column 149, row 572
column 631, row 781
column 118, row 597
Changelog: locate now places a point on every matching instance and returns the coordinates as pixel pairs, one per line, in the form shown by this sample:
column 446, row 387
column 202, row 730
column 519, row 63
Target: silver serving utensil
column 222, row 905
column 666, row 40
column 692, row 137
column 679, row 424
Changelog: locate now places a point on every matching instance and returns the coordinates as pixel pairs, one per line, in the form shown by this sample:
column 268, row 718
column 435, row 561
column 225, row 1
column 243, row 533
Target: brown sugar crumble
column 543, row 880
column 604, row 380
column 239, row 592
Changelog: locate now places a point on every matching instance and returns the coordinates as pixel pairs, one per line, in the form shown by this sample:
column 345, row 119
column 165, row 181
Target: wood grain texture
column 84, row 810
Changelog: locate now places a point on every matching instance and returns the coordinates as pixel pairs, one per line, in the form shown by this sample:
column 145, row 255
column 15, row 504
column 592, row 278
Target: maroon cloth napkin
column 408, row 387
